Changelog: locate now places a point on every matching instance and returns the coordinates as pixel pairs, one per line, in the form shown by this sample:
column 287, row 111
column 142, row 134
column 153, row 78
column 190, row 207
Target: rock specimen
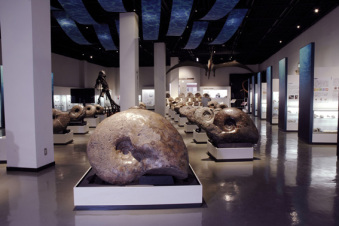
column 99, row 110
column 135, row 142
column 140, row 106
column 212, row 104
column 77, row 113
column 204, row 116
column 60, row 121
column 231, row 125
column 90, row 111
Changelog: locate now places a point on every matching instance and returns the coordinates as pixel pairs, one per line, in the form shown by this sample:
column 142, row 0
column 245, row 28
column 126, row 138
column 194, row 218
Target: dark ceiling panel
column 266, row 23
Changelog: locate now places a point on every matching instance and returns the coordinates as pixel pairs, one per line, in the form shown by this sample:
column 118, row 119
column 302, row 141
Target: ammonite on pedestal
column 135, row 142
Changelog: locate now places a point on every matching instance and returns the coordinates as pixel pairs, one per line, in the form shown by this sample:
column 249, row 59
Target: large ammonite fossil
column 190, row 95
column 188, row 111
column 77, row 113
column 212, row 104
column 203, row 116
column 231, row 125
column 197, row 95
column 99, row 110
column 140, row 106
column 90, row 111
column 60, row 121
column 135, row 142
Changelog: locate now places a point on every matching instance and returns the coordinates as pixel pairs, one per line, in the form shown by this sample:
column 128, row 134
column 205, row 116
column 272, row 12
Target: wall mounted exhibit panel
column 249, row 101
column 325, row 111
column 2, row 111
column 259, row 94
column 306, row 55
column 283, row 93
column 263, row 100
column 269, row 94
column 275, row 101
column 292, row 102
column 253, row 99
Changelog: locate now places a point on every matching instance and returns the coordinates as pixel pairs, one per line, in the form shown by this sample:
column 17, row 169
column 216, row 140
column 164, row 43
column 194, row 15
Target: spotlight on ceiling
column 298, row 26
column 316, row 10
column 280, row 41
column 197, row 59
column 91, row 57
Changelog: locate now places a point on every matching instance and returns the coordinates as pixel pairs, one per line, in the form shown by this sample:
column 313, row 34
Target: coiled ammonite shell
column 204, row 116
column 60, row 121
column 197, row 95
column 212, row 104
column 231, row 125
column 90, row 111
column 190, row 95
column 135, row 142
column 222, row 106
column 77, row 113
column 99, row 110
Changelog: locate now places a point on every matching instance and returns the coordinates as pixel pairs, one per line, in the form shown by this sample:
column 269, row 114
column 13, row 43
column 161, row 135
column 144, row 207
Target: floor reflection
column 288, row 183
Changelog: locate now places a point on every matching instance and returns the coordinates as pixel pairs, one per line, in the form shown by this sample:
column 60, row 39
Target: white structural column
column 174, row 78
column 129, row 60
column 160, row 77
column 26, row 55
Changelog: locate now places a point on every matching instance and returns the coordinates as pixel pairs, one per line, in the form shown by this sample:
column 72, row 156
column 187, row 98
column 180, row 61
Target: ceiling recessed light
column 91, row 57
column 298, row 26
column 83, row 54
column 316, row 10
column 86, row 27
column 197, row 59
column 280, row 41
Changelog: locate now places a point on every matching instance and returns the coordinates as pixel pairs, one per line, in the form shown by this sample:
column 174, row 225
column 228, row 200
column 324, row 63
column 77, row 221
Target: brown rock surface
column 135, row 142
column 231, row 125
column 60, row 121
column 77, row 113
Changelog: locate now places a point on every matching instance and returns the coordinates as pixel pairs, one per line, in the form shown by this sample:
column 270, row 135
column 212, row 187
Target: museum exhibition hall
column 169, row 112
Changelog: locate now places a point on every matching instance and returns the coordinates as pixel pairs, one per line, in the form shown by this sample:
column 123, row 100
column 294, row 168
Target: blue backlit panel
column 112, row 5
column 231, row 25
column 180, row 14
column 198, row 32
column 77, row 11
column 117, row 24
column 151, row 10
column 70, row 28
column 104, row 36
column 220, row 9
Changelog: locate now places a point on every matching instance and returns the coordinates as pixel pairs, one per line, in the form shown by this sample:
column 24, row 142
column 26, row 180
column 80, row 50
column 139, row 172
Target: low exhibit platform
column 79, row 129
column 150, row 192
column 64, row 138
column 200, row 137
column 92, row 122
column 231, row 152
column 324, row 137
column 189, row 128
column 182, row 121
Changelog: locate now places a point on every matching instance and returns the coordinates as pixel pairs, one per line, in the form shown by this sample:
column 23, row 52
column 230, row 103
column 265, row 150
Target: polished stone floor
column 288, row 183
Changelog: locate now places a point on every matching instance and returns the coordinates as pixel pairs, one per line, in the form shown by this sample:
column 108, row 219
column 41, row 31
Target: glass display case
column 147, row 96
column 263, row 100
column 275, row 108
column 325, row 126
column 292, row 103
column 218, row 93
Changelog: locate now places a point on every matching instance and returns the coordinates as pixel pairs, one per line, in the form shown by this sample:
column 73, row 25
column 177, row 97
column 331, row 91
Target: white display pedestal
column 200, row 137
column 92, row 122
column 182, row 121
column 189, row 128
column 319, row 137
column 101, row 117
column 172, row 113
column 176, row 117
column 137, row 196
column 63, row 138
column 236, row 152
column 167, row 110
column 79, row 129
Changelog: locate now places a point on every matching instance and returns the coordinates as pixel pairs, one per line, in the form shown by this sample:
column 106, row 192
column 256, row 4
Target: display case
column 147, row 96
column 256, row 99
column 263, row 100
column 275, row 108
column 275, row 101
column 292, row 103
column 325, row 125
column 218, row 93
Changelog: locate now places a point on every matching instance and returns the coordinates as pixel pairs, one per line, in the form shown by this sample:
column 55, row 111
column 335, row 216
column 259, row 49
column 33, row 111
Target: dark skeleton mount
column 101, row 81
column 210, row 66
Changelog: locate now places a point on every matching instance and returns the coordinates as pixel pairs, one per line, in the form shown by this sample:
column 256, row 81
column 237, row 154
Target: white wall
column 324, row 34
